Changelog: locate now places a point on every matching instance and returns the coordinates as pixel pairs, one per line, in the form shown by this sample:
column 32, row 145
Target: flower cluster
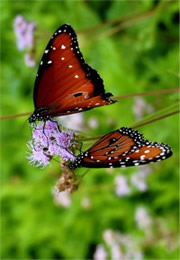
column 48, row 141
column 121, row 247
column 24, row 32
column 124, row 185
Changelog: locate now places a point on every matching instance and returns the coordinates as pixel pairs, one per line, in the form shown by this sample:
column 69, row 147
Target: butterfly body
column 65, row 84
column 124, row 147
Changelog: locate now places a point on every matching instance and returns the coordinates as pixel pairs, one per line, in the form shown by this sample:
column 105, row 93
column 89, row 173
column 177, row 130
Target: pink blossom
column 24, row 32
column 122, row 188
column 93, row 122
column 86, row 203
column 100, row 253
column 62, row 198
column 138, row 179
column 141, row 107
column 143, row 220
column 28, row 60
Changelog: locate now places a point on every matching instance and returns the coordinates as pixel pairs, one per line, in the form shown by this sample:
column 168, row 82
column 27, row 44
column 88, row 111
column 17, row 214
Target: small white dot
column 63, row 46
column 137, row 151
column 147, row 151
column 142, row 157
column 136, row 164
column 41, row 63
column 46, row 51
column 70, row 66
column 49, row 62
column 59, row 31
column 97, row 104
column 76, row 76
column 54, row 48
column 62, row 58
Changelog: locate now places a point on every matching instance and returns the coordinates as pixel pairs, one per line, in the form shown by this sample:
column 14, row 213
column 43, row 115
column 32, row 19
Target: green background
column 141, row 57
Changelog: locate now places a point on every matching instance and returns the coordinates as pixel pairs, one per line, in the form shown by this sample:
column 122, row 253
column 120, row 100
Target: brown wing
column 65, row 84
column 122, row 148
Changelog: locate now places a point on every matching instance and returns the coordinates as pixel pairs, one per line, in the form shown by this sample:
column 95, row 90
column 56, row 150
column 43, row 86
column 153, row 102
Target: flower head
column 48, row 141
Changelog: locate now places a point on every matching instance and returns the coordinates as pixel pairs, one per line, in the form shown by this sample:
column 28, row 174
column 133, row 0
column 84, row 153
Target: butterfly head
column 40, row 114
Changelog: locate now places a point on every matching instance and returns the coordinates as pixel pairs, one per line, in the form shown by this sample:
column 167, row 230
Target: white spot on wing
column 147, row 151
column 63, row 46
column 142, row 157
column 62, row 58
column 76, row 76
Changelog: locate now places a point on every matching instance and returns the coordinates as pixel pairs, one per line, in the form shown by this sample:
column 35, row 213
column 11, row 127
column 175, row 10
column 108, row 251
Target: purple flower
column 38, row 157
column 24, row 32
column 49, row 141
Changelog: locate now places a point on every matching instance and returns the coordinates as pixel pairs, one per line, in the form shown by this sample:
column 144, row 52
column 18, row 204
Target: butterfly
column 65, row 84
column 121, row 148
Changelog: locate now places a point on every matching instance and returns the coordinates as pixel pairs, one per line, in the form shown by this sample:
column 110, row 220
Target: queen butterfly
column 121, row 148
column 65, row 84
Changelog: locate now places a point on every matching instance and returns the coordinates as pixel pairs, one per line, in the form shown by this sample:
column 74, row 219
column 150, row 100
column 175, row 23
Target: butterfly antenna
column 20, row 130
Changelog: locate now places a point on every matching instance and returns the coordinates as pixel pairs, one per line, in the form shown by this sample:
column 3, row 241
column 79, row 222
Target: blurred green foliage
column 141, row 57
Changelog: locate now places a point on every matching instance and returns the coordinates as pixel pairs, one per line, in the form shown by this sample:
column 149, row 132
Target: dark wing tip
column 107, row 97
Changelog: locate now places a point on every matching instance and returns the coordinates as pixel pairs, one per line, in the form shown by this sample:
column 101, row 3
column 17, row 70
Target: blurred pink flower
column 28, row 60
column 62, row 198
column 109, row 237
column 100, row 253
column 122, row 246
column 141, row 107
column 75, row 121
column 122, row 188
column 86, row 203
column 143, row 220
column 138, row 179
column 116, row 253
column 24, row 32
column 93, row 122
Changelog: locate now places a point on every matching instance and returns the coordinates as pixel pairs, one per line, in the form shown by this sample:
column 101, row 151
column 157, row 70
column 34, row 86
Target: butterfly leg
column 44, row 127
column 54, row 121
